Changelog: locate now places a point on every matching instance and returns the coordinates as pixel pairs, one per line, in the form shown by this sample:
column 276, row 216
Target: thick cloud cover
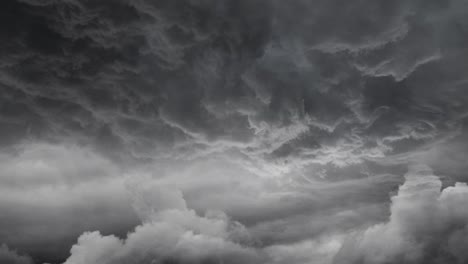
column 248, row 131
column 266, row 81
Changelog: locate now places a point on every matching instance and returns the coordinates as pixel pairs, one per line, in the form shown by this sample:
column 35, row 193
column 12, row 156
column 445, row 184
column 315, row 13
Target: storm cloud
column 426, row 225
column 224, row 131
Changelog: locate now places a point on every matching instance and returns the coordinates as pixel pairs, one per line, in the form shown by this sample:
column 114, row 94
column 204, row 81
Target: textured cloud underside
column 233, row 131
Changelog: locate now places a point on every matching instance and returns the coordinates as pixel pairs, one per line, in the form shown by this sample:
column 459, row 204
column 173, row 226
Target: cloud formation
column 9, row 256
column 426, row 225
column 50, row 194
column 170, row 233
column 261, row 130
column 147, row 80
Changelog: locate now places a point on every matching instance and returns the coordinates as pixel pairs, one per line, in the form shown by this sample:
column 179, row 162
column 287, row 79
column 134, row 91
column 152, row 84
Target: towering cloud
column 426, row 225
column 170, row 233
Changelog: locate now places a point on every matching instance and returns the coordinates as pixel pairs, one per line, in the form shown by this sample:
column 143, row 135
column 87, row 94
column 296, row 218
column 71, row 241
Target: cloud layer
column 252, row 131
column 296, row 83
column 426, row 225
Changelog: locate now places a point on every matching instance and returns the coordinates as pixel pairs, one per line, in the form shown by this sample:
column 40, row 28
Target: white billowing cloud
column 177, row 224
column 61, row 191
column 170, row 232
column 159, row 241
column 423, row 219
column 426, row 225
column 8, row 256
column 318, row 251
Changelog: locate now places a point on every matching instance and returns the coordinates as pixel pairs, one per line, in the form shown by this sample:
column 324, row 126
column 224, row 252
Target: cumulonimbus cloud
column 426, row 225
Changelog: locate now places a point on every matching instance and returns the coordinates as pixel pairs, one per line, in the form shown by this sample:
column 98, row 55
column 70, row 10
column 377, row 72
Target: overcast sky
column 233, row 131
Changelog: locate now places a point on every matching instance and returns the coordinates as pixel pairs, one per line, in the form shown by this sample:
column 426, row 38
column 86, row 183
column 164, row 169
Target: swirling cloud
column 294, row 121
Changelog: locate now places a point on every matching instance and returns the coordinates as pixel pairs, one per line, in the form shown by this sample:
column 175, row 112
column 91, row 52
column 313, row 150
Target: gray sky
column 233, row 131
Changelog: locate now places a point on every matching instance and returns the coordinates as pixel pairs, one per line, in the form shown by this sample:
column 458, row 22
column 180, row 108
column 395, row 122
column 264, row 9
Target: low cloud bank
column 426, row 225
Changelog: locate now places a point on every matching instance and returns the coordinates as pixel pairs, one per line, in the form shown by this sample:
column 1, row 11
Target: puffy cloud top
column 426, row 225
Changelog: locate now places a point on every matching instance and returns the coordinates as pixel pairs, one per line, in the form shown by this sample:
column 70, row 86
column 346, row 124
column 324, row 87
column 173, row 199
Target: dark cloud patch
column 386, row 92
column 155, row 80
column 116, row 60
column 335, row 26
column 9, row 256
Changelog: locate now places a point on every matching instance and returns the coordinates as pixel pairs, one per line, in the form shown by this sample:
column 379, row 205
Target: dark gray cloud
column 426, row 225
column 181, row 80
column 295, row 121
column 9, row 256
column 129, row 73
column 196, row 77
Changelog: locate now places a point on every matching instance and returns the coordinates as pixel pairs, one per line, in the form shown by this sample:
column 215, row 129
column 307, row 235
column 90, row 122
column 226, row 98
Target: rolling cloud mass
column 233, row 131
